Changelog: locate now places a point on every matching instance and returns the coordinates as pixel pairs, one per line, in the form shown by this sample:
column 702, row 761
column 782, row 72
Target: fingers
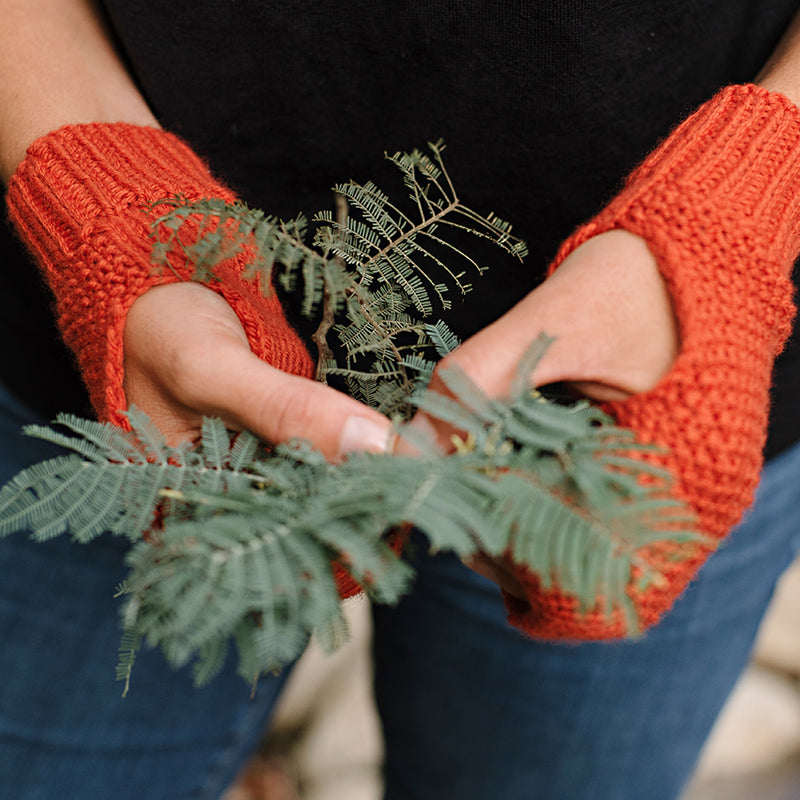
column 186, row 356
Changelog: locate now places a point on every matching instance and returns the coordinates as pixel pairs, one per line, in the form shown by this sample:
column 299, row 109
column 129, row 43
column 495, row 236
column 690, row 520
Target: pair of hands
column 187, row 356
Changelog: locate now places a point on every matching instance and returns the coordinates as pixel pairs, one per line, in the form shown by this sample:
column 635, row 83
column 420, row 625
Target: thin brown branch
column 320, row 335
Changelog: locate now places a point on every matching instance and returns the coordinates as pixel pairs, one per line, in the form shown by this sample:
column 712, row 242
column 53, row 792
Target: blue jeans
column 65, row 730
column 471, row 708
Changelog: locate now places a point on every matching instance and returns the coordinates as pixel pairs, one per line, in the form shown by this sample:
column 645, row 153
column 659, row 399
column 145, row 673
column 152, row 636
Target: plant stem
column 320, row 335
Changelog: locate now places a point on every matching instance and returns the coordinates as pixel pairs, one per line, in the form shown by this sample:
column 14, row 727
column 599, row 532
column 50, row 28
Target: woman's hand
column 187, row 356
column 615, row 335
column 609, row 312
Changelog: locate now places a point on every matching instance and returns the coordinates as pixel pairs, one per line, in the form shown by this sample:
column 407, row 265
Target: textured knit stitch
column 79, row 202
column 719, row 206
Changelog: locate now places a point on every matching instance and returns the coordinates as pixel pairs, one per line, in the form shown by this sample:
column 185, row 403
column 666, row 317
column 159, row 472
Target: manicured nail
column 362, row 433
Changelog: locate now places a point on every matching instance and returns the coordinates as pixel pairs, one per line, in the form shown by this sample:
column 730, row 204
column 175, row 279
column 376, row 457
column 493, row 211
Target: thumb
column 277, row 407
column 187, row 356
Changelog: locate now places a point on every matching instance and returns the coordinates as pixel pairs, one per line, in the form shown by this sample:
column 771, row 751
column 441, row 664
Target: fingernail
column 362, row 433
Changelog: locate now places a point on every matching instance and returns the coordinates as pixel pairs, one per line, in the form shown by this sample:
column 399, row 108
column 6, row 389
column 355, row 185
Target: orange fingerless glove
column 719, row 206
column 79, row 201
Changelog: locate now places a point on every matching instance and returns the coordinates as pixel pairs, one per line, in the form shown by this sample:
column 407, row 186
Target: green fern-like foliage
column 249, row 535
column 373, row 278
column 235, row 541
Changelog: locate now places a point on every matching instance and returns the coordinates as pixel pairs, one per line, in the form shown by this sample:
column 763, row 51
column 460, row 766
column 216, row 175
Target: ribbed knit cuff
column 719, row 203
column 737, row 160
column 80, row 202
column 719, row 206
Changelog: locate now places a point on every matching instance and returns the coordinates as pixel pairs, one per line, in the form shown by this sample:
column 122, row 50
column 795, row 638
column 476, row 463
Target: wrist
column 782, row 72
column 59, row 67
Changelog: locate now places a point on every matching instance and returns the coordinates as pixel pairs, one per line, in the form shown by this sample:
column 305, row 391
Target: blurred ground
column 324, row 743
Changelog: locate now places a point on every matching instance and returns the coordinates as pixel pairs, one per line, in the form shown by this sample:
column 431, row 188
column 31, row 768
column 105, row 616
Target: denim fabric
column 472, row 709
column 66, row 733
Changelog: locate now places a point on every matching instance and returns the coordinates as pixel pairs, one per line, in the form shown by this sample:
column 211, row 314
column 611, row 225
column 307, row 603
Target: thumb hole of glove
column 187, row 356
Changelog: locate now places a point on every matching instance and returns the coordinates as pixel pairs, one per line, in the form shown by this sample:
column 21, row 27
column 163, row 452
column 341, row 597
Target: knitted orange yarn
column 719, row 206
column 79, row 202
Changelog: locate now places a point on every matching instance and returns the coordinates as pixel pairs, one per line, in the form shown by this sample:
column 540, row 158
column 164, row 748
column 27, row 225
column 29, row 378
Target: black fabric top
column 545, row 107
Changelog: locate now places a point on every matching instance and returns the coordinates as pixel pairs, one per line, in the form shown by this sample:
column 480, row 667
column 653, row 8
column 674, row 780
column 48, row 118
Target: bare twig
column 320, row 335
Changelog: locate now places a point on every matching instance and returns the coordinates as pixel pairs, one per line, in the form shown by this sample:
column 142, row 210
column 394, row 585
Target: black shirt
column 545, row 107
